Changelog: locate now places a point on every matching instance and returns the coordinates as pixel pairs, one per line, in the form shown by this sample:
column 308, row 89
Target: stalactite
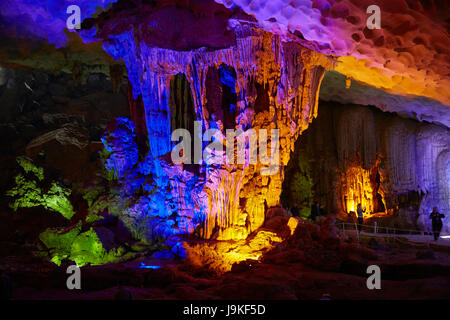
column 360, row 186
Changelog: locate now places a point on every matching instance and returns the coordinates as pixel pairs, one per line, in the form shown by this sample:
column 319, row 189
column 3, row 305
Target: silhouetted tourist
column 436, row 222
column 6, row 288
column 315, row 211
column 294, row 211
column 360, row 214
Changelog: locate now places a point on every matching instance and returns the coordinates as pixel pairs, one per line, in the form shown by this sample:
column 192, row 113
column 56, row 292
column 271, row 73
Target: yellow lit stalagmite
column 358, row 189
column 360, row 186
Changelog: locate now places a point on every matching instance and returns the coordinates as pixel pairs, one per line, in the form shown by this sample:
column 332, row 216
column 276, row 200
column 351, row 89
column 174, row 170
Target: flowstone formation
column 260, row 82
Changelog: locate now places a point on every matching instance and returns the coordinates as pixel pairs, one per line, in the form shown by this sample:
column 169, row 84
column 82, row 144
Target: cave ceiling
column 402, row 67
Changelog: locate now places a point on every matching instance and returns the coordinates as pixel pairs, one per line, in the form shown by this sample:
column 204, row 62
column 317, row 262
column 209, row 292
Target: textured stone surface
column 258, row 65
column 120, row 143
column 407, row 55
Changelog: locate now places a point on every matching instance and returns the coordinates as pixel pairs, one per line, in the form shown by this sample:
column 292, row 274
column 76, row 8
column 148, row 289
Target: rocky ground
column 309, row 265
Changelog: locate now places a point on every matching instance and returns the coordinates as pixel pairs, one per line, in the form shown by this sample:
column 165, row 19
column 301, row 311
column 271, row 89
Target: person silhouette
column 436, row 222
column 360, row 214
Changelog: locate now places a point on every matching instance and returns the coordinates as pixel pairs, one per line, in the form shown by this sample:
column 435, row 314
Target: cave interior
column 89, row 116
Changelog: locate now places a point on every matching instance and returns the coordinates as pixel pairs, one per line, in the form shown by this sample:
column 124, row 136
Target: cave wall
column 358, row 154
column 52, row 113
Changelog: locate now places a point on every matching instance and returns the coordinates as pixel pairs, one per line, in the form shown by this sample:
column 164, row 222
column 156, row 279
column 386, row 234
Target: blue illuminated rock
column 119, row 142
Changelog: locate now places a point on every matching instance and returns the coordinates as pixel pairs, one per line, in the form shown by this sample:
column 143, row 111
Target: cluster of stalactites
column 290, row 77
column 289, row 72
column 365, row 187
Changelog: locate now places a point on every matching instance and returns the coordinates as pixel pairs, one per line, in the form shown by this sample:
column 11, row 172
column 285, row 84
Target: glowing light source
column 358, row 189
column 292, row 224
column 144, row 266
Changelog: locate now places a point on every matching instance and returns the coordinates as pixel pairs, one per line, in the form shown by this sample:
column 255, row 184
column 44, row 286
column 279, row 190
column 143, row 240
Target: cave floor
column 409, row 271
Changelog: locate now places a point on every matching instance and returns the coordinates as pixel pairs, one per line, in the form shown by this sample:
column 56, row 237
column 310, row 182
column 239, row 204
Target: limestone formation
column 274, row 88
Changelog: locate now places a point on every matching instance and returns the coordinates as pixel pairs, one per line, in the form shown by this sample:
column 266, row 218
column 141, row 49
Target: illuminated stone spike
column 358, row 189
column 293, row 223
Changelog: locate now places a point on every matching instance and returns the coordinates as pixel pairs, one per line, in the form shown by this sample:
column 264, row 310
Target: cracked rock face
column 69, row 141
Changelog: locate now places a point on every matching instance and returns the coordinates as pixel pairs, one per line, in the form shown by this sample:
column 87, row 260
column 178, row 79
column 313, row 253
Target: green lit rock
column 81, row 247
column 92, row 218
column 59, row 242
column 57, row 199
column 91, row 194
column 28, row 192
column 302, row 185
column 87, row 248
column 28, row 166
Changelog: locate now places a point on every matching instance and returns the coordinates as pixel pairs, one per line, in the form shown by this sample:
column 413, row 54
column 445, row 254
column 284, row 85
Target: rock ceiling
column 406, row 62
